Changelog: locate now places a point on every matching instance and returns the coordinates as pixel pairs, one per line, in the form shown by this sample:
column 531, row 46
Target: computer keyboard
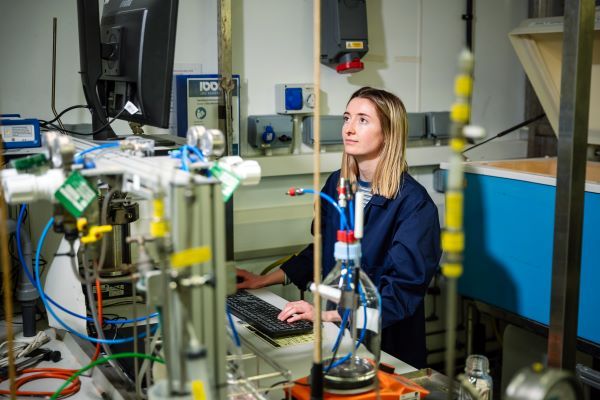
column 263, row 316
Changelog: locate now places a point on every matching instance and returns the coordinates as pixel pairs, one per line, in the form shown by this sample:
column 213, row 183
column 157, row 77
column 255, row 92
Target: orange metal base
column 391, row 387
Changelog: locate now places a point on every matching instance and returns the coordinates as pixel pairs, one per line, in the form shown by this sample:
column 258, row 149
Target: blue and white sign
column 198, row 104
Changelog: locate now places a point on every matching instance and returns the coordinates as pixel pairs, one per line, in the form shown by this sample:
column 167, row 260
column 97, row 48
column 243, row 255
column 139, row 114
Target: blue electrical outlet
column 269, row 131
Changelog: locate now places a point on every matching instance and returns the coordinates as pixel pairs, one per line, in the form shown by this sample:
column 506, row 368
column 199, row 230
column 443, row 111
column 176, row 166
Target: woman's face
column 361, row 131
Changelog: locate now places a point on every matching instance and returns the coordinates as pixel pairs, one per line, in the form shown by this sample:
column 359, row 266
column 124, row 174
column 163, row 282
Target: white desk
column 297, row 359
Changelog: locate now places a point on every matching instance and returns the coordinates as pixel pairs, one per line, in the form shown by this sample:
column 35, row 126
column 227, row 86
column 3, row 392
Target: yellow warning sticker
column 355, row 45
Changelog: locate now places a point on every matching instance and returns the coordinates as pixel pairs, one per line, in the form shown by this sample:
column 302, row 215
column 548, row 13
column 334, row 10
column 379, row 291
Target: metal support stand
column 572, row 143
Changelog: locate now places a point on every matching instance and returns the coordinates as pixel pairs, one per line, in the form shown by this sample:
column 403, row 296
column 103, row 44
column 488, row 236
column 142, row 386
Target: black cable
column 91, row 133
column 507, row 131
column 282, row 383
column 122, row 303
column 63, row 112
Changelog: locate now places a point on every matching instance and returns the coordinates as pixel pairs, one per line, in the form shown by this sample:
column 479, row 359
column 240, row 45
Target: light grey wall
column 413, row 50
column 26, row 45
column 414, row 45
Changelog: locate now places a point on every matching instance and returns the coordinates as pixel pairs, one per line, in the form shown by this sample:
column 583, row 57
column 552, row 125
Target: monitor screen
column 127, row 56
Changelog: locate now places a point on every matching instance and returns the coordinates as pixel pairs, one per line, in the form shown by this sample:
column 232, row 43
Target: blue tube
column 184, row 159
column 196, row 151
column 32, row 280
column 362, row 334
column 236, row 337
column 51, row 311
column 19, row 247
column 341, row 331
column 343, row 221
column 95, row 148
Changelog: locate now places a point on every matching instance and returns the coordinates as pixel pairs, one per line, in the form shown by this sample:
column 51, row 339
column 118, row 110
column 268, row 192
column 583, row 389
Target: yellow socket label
column 355, row 45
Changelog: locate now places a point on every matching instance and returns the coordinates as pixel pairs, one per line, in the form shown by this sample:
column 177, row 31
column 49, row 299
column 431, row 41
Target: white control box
column 296, row 98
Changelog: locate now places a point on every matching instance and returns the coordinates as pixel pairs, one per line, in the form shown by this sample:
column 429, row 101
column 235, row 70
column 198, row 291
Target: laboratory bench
column 265, row 362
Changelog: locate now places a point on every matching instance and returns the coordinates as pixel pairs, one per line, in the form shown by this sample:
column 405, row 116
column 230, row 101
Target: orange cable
column 44, row 373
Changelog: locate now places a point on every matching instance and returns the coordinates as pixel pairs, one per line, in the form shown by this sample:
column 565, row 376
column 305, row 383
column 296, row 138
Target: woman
column 400, row 247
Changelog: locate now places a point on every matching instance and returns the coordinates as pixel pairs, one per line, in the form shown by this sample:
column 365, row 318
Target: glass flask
column 353, row 300
column 477, row 373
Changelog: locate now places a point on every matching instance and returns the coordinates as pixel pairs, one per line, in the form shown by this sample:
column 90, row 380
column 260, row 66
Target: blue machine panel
column 509, row 228
column 18, row 132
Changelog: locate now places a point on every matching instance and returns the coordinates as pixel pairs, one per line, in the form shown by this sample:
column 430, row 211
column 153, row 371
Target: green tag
column 229, row 181
column 76, row 194
column 27, row 163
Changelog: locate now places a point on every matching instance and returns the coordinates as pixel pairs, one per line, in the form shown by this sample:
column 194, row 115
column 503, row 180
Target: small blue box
column 18, row 133
column 293, row 99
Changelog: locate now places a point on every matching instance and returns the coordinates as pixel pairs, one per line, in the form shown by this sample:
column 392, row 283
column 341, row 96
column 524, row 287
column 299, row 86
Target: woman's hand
column 297, row 310
column 248, row 280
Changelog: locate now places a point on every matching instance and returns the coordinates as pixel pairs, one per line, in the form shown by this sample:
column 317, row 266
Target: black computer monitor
column 127, row 56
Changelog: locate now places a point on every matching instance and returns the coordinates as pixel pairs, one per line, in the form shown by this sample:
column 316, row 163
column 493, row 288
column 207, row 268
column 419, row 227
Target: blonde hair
column 392, row 160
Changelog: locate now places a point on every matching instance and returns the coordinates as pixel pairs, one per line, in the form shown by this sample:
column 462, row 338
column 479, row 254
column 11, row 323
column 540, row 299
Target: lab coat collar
column 378, row 200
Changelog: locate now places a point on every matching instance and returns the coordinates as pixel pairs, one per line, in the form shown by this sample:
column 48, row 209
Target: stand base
column 391, row 387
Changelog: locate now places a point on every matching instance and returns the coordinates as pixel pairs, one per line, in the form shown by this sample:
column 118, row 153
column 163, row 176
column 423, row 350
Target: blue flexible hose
column 196, row 151
column 60, row 307
column 362, row 334
column 343, row 222
column 236, row 337
column 51, row 311
column 184, row 159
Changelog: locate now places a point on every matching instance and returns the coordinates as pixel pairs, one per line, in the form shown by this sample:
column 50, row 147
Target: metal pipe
column 468, row 18
column 296, row 147
column 53, row 99
column 316, row 389
column 225, row 105
column 164, row 250
column 27, row 293
column 7, row 288
column 453, row 236
column 570, row 181
column 225, row 68
column 450, row 333
column 470, row 327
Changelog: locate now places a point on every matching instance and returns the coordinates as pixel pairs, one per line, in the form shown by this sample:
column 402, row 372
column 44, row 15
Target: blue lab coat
column 400, row 253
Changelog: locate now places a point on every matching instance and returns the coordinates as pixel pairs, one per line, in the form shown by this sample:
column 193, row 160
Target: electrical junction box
column 344, row 34
column 269, row 131
column 294, row 98
column 438, row 126
column 417, row 125
column 331, row 130
column 19, row 132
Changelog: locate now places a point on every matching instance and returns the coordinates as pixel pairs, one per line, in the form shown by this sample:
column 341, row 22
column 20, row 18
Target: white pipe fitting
column 27, row 188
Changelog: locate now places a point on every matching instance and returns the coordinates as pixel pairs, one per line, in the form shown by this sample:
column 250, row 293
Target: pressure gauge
column 59, row 149
column 539, row 383
column 210, row 141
